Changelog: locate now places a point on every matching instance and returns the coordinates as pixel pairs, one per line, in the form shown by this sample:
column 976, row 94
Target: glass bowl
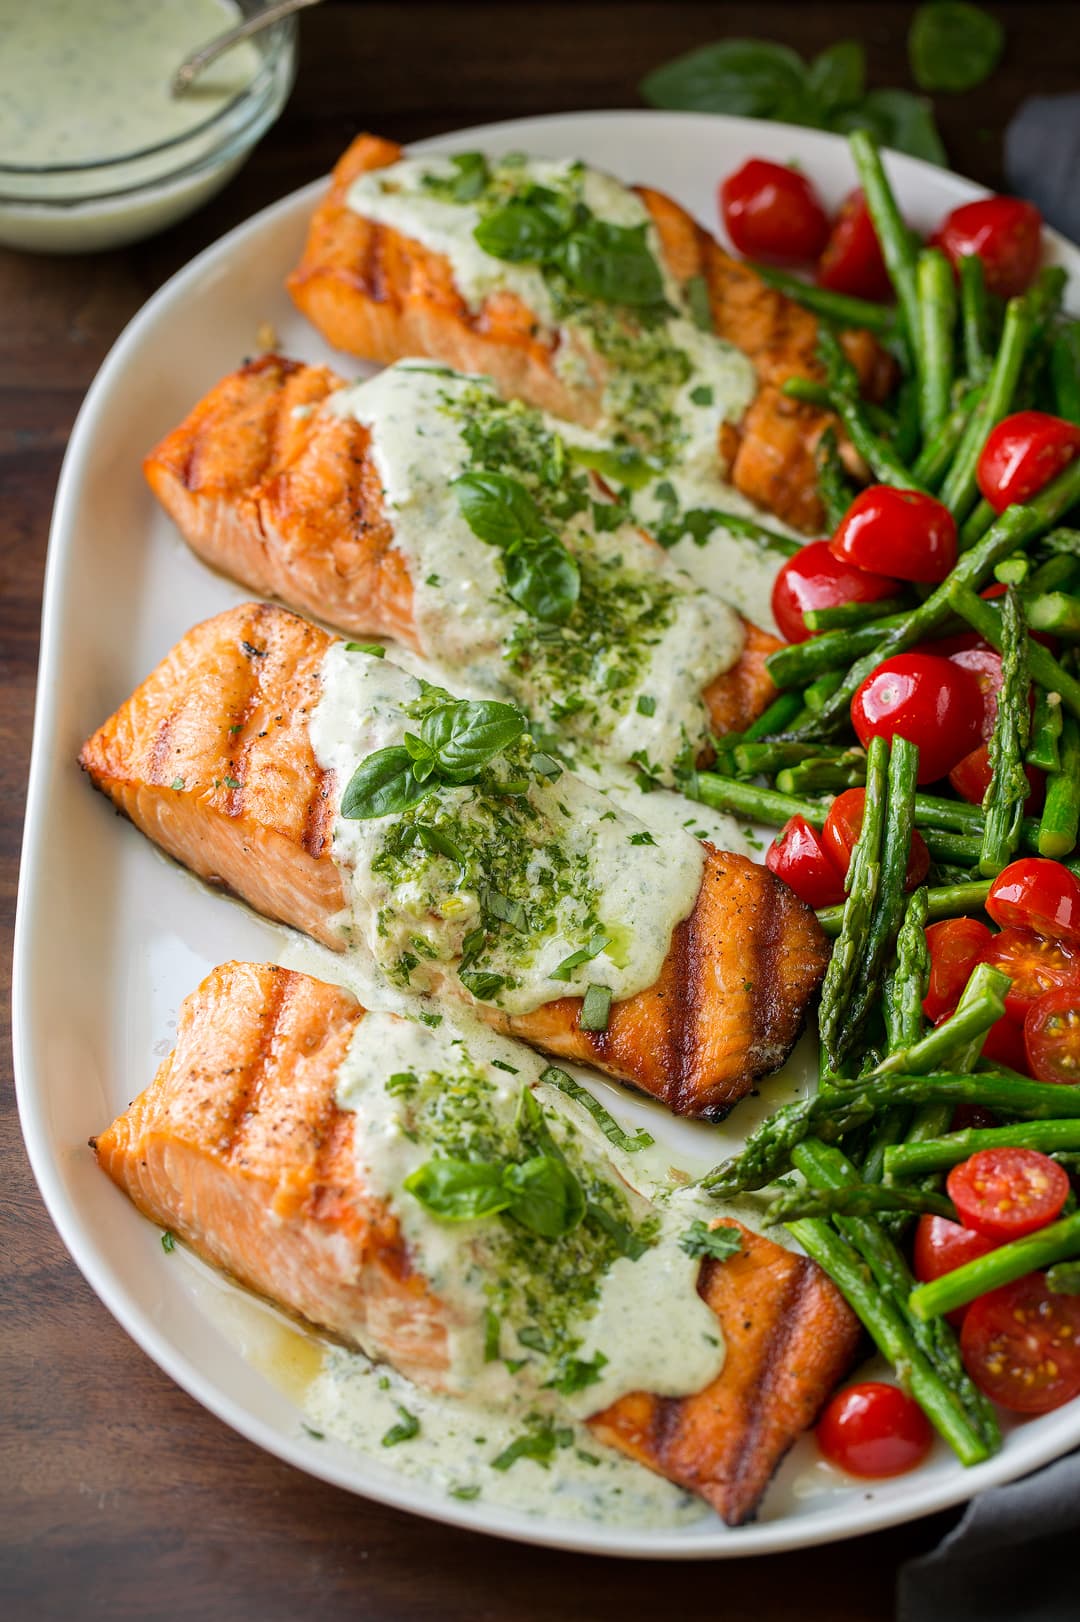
column 83, row 207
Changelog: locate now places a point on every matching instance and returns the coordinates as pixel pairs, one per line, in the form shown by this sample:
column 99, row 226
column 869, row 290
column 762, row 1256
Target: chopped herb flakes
column 168, row 1241
column 719, row 1243
column 407, row 1427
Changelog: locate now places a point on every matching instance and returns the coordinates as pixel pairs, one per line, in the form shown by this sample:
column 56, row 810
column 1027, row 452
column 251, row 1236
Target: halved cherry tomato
column 773, row 213
column 852, row 261
column 1035, row 966
column 843, row 826
column 956, row 945
column 814, row 578
column 1007, row 1193
column 1052, row 1036
column 1004, row 1044
column 874, row 1429
column 941, row 1246
column 1038, row 894
column 1021, row 1345
column 1006, row 234
column 902, row 532
column 797, row 856
column 1023, row 453
column 928, row 700
column 971, row 776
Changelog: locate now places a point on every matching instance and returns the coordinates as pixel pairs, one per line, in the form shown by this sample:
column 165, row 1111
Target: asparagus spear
column 841, row 392
column 860, row 1200
column 933, row 461
column 905, row 987
column 1065, row 371
column 1056, row 611
column 973, row 316
column 893, row 1335
column 889, row 903
column 774, row 755
column 945, row 901
column 975, row 525
column 863, row 878
column 834, row 487
column 747, row 800
column 939, row 1154
column 1003, row 803
column 1061, row 812
column 959, row 489
column 897, row 247
column 981, row 1006
column 819, row 692
column 780, row 712
column 1064, row 1278
column 799, row 662
column 822, row 775
column 843, row 616
column 1060, row 1242
column 1044, row 749
column 1043, row 666
column 842, row 308
column 937, row 315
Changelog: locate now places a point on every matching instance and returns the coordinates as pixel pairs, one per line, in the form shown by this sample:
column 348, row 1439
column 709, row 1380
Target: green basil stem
column 933, row 461
column 889, row 904
column 893, row 234
column 940, row 1154
column 959, row 490
column 1045, row 669
column 973, row 317
column 891, row 1333
column 1060, row 1242
column 1018, row 526
column 842, row 308
column 1008, row 789
column 1061, row 812
column 853, row 941
column 937, row 316
column 1047, row 725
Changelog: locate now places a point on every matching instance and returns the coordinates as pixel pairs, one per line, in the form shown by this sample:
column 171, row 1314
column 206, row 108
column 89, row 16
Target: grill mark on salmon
column 696, row 1039
column 279, row 1205
column 422, row 313
column 294, row 508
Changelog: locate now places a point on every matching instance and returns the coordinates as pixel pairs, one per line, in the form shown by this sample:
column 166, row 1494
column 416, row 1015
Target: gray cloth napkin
column 1013, row 1557
column 1042, row 161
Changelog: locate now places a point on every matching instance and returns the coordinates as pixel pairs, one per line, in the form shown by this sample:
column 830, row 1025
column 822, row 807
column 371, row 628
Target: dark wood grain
column 120, row 1498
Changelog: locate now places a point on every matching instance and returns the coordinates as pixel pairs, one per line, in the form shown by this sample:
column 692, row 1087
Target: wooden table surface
column 120, row 1497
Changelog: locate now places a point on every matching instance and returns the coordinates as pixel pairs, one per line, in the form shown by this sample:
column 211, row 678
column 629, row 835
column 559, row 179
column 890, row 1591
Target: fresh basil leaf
column 837, row 77
column 719, row 1243
column 624, row 1238
column 545, row 1196
column 374, row 649
column 439, row 843
column 499, row 906
column 459, row 1190
column 465, row 735
column 595, row 1009
column 751, row 77
column 482, row 984
column 545, row 766
column 612, row 263
column 584, row 954
column 472, row 176
column 628, row 1142
column 544, row 580
column 696, row 293
column 497, row 508
column 702, row 395
column 382, row 785
column 519, row 232
column 538, row 1445
column 646, row 704
column 897, row 119
column 407, row 1427
column 953, row 46
column 575, row 1374
column 619, row 465
column 533, row 1338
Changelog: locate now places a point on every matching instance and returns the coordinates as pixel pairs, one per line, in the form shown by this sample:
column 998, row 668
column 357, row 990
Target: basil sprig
column 455, row 740
column 540, row 1193
column 953, row 45
column 600, row 260
column 541, row 576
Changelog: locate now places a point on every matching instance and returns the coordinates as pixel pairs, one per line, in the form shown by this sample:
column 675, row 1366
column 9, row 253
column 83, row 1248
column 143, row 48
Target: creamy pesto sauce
column 83, row 80
column 602, row 870
column 643, row 642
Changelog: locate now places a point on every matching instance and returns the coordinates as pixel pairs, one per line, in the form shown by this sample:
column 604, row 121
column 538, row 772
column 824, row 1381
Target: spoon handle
column 194, row 64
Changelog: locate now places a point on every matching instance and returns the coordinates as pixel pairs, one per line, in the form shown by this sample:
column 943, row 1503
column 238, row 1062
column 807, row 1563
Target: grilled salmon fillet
column 239, row 1147
column 211, row 759
column 288, row 501
column 378, row 294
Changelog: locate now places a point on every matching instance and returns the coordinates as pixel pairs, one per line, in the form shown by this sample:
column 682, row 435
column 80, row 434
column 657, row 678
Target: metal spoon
column 194, row 64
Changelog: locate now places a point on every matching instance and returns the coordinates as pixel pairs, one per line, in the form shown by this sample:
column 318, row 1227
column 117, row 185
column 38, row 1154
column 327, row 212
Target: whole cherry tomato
column 926, row 699
column 1005, row 232
column 814, row 578
column 970, row 778
column 1023, row 453
column 1007, row 1193
column 1021, row 1345
column 1038, row 894
column 901, row 532
column 843, row 826
column 941, row 1246
column 1052, row 1036
column 773, row 213
column 797, row 856
column 852, row 261
column 956, row 945
column 1035, row 966
column 984, row 663
column 874, row 1429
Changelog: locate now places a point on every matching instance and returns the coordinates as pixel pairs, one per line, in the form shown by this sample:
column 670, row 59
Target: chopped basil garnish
column 407, row 1427
column 719, row 1243
column 629, row 1142
column 374, row 649
column 481, row 983
column 644, row 838
column 595, row 1009
column 584, row 954
column 646, row 705
column 168, row 1241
